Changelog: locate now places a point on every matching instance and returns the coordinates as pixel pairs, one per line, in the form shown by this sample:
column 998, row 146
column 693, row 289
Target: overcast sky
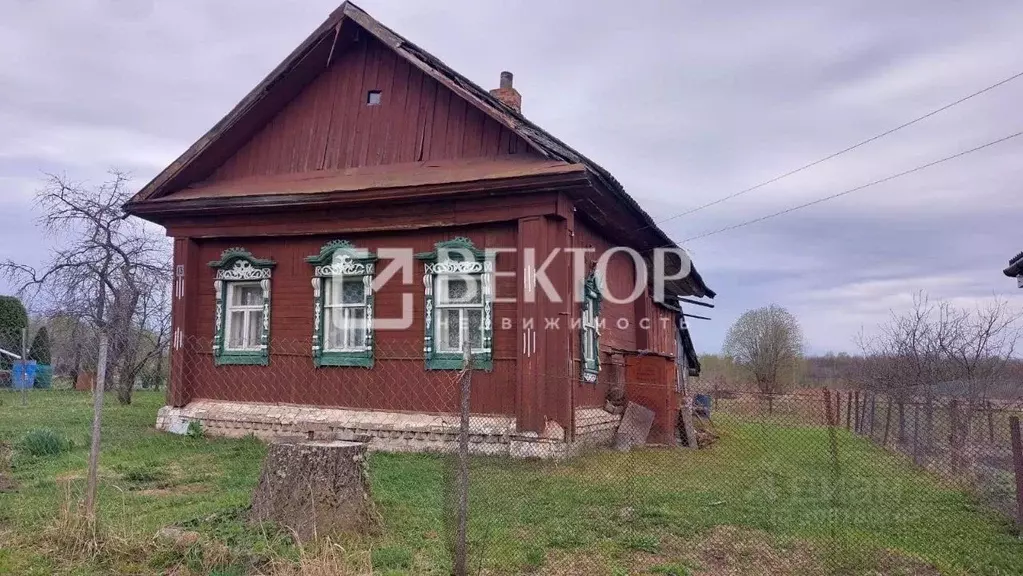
column 684, row 102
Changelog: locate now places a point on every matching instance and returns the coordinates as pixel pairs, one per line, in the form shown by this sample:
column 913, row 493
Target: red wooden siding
column 627, row 325
column 399, row 380
column 330, row 126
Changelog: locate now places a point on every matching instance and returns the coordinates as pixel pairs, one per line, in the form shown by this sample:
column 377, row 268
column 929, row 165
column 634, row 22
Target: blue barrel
column 23, row 374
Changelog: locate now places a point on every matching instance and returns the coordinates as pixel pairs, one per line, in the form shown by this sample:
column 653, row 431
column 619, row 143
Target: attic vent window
column 373, row 98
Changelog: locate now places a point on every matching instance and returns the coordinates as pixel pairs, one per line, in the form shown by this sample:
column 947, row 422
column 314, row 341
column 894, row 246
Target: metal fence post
column 461, row 543
column 1017, row 465
column 24, row 367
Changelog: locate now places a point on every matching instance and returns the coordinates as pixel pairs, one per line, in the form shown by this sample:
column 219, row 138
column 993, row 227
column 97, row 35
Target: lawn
column 763, row 500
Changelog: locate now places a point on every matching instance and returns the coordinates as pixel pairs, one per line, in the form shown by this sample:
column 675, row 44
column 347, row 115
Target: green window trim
column 458, row 257
column 237, row 266
column 341, row 259
column 589, row 332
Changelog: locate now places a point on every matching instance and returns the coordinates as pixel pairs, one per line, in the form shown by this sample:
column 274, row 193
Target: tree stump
column 314, row 488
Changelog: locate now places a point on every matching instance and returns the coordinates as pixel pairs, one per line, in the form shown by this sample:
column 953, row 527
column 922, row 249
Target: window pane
column 447, row 330
column 332, row 287
column 356, row 327
column 246, row 295
column 354, row 291
column 475, row 326
column 461, row 290
column 457, row 289
column 335, row 329
column 235, row 339
column 255, row 329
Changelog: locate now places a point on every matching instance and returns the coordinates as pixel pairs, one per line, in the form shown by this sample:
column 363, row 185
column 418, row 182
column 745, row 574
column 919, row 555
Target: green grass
column 654, row 511
column 43, row 442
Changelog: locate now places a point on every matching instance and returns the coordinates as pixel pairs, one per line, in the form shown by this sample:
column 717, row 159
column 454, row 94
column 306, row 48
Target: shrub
column 195, row 429
column 43, row 442
column 13, row 319
column 40, row 349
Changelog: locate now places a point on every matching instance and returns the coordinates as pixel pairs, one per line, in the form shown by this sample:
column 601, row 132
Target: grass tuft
column 44, row 442
column 143, row 474
column 391, row 558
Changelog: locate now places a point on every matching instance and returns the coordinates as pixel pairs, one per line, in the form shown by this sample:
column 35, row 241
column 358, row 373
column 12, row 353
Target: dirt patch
column 899, row 564
column 68, row 477
column 175, row 490
column 730, row 550
column 7, row 483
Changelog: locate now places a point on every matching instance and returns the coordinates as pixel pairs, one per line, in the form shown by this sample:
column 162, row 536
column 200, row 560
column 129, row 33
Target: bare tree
column 940, row 347
column 902, row 358
column 767, row 343
column 146, row 341
column 104, row 269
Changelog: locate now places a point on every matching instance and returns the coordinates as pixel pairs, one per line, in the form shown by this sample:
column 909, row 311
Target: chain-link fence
column 817, row 481
column 845, row 473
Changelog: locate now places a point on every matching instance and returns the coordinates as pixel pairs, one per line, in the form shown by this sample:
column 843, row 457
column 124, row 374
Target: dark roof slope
column 1015, row 266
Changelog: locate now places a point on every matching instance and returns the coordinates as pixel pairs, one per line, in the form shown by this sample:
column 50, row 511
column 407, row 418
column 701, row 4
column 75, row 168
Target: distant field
column 764, row 499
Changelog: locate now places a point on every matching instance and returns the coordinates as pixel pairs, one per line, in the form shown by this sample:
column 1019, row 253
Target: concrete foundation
column 389, row 431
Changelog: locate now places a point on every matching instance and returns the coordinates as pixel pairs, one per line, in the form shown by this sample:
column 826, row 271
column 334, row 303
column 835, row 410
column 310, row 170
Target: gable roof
column 324, row 39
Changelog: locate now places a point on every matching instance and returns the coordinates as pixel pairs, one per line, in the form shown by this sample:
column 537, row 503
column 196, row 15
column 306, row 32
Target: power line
column 858, row 188
column 844, row 150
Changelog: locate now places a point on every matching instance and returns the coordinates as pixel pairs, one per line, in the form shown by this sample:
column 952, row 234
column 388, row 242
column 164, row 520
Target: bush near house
column 13, row 319
column 40, row 352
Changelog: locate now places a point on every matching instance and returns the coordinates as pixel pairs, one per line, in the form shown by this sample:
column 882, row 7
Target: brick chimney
column 507, row 94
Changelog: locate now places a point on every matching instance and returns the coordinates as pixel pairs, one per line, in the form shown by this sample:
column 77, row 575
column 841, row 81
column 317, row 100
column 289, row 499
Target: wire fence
column 595, row 478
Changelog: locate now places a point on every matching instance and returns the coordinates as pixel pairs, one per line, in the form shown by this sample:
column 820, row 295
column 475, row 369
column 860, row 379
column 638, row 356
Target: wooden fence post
column 887, row 421
column 873, row 410
column 856, row 416
column 828, row 416
column 990, row 422
column 848, row 410
column 1017, row 465
column 916, row 433
column 953, row 437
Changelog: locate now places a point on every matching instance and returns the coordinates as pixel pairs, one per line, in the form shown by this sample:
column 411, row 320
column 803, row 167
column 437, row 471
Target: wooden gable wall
column 329, row 125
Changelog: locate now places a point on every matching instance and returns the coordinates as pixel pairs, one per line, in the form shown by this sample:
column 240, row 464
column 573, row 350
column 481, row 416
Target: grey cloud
column 683, row 102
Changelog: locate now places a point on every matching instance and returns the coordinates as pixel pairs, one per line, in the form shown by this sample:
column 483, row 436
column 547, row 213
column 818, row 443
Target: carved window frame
column 238, row 265
column 341, row 258
column 458, row 256
column 589, row 327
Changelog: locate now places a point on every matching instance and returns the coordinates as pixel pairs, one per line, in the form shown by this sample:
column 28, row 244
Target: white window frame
column 442, row 303
column 591, row 335
column 248, row 310
column 328, row 307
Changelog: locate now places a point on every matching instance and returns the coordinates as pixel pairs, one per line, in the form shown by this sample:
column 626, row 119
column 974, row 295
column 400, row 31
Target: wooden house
column 358, row 148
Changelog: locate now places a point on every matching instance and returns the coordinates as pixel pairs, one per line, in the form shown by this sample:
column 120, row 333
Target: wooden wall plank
column 328, row 124
column 622, row 321
column 398, row 381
